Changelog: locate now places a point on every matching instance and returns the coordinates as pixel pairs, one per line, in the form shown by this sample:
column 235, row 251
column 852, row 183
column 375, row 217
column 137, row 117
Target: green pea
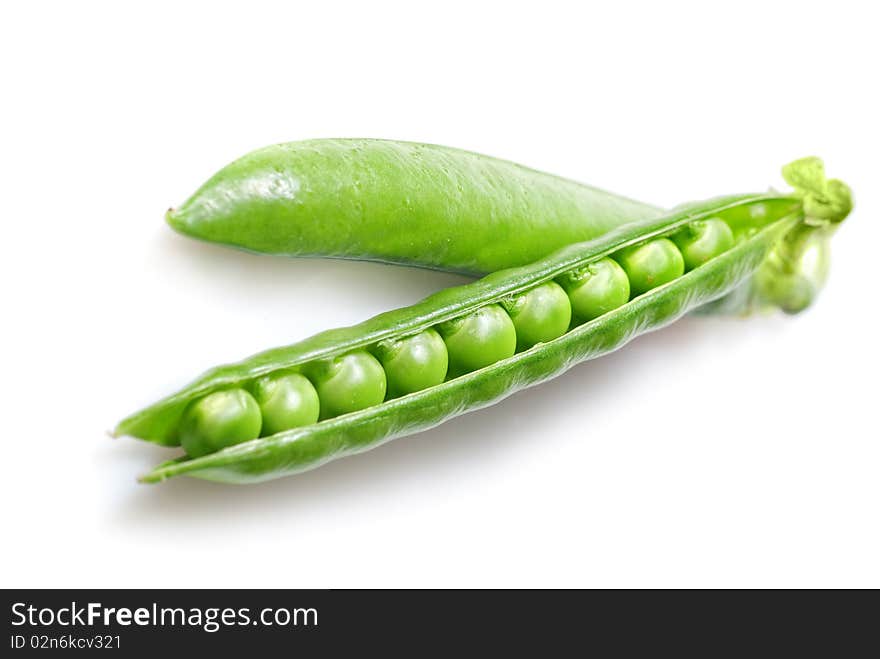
column 414, row 362
column 703, row 240
column 218, row 420
column 650, row 264
column 478, row 339
column 596, row 289
column 348, row 383
column 286, row 401
column 539, row 315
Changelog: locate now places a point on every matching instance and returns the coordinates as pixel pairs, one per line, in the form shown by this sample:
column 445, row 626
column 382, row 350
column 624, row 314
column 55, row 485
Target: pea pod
column 444, row 208
column 756, row 234
column 398, row 202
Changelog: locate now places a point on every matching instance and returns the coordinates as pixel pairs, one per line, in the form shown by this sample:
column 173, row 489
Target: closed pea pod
column 398, row 202
column 409, row 203
column 488, row 380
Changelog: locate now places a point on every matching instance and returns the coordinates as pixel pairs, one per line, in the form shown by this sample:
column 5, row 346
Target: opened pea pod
column 348, row 390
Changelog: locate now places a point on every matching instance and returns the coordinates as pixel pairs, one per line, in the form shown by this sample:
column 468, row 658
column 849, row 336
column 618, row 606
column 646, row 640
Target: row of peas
column 399, row 366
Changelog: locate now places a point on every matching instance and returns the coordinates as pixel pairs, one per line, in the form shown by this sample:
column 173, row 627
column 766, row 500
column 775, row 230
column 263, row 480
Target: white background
column 718, row 452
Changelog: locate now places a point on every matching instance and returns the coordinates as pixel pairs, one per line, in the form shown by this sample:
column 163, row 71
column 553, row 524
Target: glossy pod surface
column 444, row 208
column 356, row 430
column 478, row 325
column 398, row 202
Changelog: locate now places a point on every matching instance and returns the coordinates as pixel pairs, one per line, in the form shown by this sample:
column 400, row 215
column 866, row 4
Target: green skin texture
column 413, row 363
column 307, row 447
column 286, row 401
column 650, row 265
column 596, row 289
column 409, row 203
column 398, row 202
column 539, row 315
column 702, row 241
column 348, row 383
column 478, row 339
column 218, row 420
column 761, row 223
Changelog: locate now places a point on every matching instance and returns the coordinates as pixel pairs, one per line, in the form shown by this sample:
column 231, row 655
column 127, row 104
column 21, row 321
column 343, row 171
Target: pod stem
column 795, row 271
column 826, row 201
